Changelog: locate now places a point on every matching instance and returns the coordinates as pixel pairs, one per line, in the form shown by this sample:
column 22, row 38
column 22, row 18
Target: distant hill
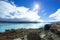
column 55, row 22
column 19, row 22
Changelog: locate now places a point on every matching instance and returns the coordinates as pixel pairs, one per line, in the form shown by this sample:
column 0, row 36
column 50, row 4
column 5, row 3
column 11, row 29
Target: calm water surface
column 4, row 26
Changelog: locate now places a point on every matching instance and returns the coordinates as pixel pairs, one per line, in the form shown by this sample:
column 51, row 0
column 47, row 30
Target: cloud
column 55, row 16
column 24, row 12
column 11, row 11
column 5, row 9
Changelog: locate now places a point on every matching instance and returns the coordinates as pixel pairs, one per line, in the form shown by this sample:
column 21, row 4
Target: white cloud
column 10, row 11
column 55, row 16
column 24, row 12
column 5, row 9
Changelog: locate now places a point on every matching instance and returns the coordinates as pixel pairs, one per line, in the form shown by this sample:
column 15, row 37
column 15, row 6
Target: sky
column 30, row 10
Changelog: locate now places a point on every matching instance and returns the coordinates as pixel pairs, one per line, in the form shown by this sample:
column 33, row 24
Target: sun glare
column 36, row 7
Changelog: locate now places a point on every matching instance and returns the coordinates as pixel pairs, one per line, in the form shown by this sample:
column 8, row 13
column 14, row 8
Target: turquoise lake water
column 6, row 26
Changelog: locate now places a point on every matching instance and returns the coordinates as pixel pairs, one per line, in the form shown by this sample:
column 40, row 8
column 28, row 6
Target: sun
column 36, row 6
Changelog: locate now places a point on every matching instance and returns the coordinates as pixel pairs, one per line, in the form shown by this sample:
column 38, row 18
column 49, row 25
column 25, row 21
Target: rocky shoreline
column 51, row 31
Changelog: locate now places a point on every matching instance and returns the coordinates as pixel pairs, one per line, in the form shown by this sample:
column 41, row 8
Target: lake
column 6, row 26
